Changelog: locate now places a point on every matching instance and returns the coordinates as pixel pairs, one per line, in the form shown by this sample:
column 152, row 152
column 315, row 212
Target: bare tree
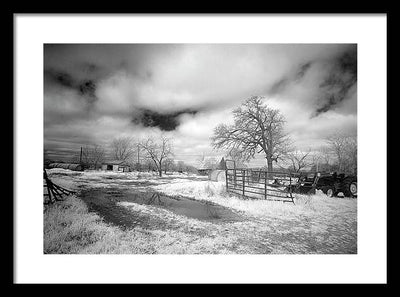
column 337, row 144
column 157, row 151
column 322, row 159
column 93, row 156
column 326, row 154
column 123, row 148
column 98, row 155
column 210, row 163
column 351, row 154
column 299, row 160
column 344, row 147
column 168, row 164
column 237, row 156
column 257, row 128
column 149, row 165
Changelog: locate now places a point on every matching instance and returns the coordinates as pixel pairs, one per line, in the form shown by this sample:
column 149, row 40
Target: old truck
column 329, row 183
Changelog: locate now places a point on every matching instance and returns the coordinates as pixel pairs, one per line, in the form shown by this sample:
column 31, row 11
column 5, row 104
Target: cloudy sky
column 93, row 93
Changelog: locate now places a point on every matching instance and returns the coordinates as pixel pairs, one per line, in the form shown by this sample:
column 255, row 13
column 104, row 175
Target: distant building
column 208, row 164
column 116, row 165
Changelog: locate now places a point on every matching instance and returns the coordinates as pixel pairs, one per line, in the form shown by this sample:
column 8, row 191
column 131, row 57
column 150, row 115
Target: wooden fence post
column 226, row 178
column 265, row 186
column 243, row 180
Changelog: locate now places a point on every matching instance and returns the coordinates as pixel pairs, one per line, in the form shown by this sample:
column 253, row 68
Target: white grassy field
column 313, row 225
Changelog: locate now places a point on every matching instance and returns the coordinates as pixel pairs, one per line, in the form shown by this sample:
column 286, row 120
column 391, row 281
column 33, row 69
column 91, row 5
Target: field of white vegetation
column 313, row 225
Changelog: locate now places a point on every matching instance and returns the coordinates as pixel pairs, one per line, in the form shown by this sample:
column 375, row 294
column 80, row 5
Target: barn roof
column 209, row 162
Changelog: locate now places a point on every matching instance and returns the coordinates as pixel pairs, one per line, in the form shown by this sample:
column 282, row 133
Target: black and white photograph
column 195, row 148
column 200, row 148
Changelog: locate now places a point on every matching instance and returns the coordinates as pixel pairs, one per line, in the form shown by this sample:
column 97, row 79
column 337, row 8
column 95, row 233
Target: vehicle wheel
column 350, row 188
column 329, row 191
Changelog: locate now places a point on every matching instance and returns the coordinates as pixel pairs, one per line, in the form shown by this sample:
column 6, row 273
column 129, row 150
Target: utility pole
column 80, row 158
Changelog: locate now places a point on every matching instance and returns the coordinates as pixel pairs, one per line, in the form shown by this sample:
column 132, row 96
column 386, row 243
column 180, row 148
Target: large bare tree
column 123, row 148
column 257, row 128
column 157, row 150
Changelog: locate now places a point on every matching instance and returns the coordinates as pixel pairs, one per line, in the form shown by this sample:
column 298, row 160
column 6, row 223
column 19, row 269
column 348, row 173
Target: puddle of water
column 104, row 202
column 121, row 183
column 201, row 210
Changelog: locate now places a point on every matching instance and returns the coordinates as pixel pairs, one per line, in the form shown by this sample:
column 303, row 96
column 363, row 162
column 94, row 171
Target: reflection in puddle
column 104, row 202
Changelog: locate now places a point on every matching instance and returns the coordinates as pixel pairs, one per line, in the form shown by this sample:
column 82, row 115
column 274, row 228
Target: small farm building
column 116, row 165
column 208, row 164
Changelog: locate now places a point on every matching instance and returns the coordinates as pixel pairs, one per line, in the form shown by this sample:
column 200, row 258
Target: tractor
column 330, row 184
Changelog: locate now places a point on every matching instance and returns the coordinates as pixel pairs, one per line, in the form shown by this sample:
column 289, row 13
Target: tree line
column 150, row 154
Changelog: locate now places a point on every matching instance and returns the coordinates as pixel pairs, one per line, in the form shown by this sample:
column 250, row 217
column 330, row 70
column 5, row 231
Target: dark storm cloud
column 88, row 88
column 84, row 87
column 279, row 86
column 64, row 79
column 165, row 122
column 331, row 80
column 293, row 77
column 337, row 84
column 302, row 70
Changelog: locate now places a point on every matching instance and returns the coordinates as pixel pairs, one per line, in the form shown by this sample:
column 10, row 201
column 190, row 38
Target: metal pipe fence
column 259, row 184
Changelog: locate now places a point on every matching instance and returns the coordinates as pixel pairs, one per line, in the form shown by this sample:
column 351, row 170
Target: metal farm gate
column 260, row 184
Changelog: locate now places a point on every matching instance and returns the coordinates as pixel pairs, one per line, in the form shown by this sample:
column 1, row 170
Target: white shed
column 116, row 165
